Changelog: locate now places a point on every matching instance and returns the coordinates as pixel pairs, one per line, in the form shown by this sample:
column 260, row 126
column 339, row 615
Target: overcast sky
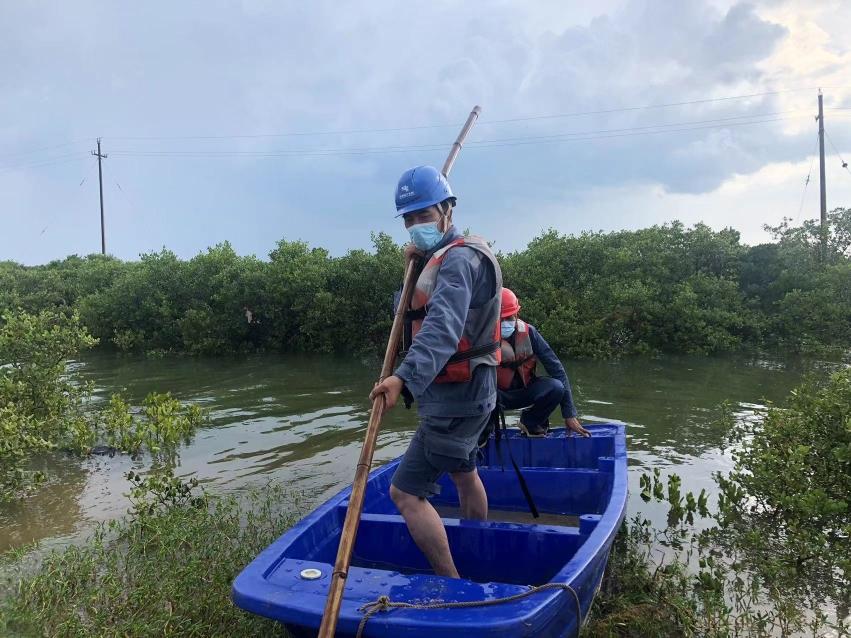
column 197, row 102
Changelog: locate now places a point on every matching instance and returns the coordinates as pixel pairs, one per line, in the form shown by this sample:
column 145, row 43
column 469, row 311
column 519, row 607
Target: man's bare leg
column 471, row 495
column 427, row 530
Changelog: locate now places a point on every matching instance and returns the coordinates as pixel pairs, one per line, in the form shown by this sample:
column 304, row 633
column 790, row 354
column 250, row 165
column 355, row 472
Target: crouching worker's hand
column 391, row 387
column 574, row 425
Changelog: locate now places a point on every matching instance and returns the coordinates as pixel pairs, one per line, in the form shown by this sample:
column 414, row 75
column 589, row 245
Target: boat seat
column 480, row 547
column 561, row 491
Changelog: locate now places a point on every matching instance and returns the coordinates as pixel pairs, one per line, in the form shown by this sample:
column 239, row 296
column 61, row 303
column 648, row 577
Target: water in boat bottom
column 450, row 511
column 508, row 516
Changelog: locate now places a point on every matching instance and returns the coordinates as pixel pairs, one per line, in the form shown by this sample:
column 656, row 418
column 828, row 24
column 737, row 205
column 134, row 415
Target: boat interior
column 569, row 477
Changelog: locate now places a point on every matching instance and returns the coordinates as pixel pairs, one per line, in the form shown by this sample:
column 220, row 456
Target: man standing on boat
column 522, row 347
column 452, row 341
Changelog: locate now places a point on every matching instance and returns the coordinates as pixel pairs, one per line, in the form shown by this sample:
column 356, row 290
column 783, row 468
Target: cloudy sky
column 259, row 120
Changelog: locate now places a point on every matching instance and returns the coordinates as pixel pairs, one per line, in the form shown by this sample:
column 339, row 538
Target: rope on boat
column 385, row 604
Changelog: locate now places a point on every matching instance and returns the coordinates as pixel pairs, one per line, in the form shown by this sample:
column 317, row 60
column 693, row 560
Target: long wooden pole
column 350, row 525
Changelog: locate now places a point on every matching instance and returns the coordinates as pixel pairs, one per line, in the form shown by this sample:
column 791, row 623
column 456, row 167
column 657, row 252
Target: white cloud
column 743, row 202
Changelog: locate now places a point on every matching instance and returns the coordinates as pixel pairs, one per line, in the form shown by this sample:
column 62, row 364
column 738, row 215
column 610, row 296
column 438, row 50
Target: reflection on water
column 301, row 421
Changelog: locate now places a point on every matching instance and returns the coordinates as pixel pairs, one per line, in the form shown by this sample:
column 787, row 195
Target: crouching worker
column 450, row 364
column 522, row 348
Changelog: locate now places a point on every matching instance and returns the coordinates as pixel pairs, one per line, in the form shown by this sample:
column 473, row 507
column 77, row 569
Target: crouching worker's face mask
column 506, row 327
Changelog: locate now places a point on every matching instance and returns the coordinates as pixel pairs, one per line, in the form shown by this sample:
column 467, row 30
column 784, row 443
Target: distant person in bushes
column 519, row 387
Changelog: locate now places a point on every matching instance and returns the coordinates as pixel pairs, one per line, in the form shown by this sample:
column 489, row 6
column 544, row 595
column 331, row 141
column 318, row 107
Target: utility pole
column 101, row 156
column 821, row 175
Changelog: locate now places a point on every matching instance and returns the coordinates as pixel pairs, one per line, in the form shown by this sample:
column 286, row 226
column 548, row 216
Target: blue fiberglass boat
column 580, row 487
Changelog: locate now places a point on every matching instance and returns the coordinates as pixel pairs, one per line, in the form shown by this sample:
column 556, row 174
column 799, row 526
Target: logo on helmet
column 406, row 192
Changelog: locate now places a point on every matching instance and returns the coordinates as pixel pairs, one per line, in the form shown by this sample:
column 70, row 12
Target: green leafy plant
column 45, row 406
column 161, row 426
column 665, row 288
column 163, row 570
column 41, row 405
column 772, row 558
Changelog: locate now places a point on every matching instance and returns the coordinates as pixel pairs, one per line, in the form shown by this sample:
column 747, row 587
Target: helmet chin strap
column 445, row 211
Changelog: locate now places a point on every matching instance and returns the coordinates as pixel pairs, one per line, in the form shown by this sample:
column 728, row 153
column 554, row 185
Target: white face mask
column 507, row 327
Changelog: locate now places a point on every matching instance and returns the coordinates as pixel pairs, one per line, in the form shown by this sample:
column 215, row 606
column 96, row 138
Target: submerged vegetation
column 45, row 406
column 774, row 555
column 665, row 288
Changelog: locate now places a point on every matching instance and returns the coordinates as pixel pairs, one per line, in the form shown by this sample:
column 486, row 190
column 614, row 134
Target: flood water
column 301, row 421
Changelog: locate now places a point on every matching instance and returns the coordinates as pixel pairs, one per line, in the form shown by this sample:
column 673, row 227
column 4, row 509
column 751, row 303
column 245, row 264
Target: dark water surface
column 301, row 421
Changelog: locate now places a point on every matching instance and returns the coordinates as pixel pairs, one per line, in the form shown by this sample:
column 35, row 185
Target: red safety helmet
column 510, row 305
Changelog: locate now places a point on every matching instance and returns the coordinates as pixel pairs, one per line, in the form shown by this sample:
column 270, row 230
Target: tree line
column 667, row 288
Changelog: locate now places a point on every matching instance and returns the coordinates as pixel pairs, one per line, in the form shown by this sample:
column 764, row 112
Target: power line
column 59, row 159
column 46, row 148
column 50, row 214
column 431, row 126
column 484, row 121
column 134, row 210
column 634, row 134
column 649, row 106
column 836, row 150
column 86, row 176
column 642, row 128
column 578, row 136
column 807, row 181
column 487, row 143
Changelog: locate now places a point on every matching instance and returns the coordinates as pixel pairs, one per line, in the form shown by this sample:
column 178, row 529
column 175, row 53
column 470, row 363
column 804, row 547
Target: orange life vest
column 479, row 344
column 520, row 358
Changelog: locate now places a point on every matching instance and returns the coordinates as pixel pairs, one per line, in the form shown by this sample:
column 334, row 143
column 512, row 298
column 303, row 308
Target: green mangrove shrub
column 45, row 406
column 665, row 288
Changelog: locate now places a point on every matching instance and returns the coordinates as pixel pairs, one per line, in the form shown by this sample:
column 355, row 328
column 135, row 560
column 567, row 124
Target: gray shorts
column 420, row 468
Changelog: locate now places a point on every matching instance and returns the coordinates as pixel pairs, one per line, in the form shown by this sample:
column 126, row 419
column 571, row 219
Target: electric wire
column 648, row 106
column 577, row 136
column 46, row 148
column 51, row 213
column 88, row 174
column 836, row 150
column 59, row 159
column 482, row 121
column 807, row 181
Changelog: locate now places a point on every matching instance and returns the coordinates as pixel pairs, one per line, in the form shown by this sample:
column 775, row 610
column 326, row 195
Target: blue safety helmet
column 421, row 187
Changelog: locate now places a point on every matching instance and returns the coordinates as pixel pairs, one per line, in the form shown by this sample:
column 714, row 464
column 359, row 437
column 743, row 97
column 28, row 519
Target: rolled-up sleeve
column 443, row 326
column 555, row 369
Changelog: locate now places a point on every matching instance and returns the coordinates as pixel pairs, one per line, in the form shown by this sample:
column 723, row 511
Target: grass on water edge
column 166, row 569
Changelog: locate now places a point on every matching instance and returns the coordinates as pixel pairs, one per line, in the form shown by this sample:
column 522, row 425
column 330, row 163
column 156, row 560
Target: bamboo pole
column 353, row 512
column 459, row 141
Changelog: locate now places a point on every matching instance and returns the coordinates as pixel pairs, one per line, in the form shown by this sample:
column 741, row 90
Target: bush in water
column 41, row 405
column 790, row 490
column 773, row 558
column 159, row 429
column 45, row 406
